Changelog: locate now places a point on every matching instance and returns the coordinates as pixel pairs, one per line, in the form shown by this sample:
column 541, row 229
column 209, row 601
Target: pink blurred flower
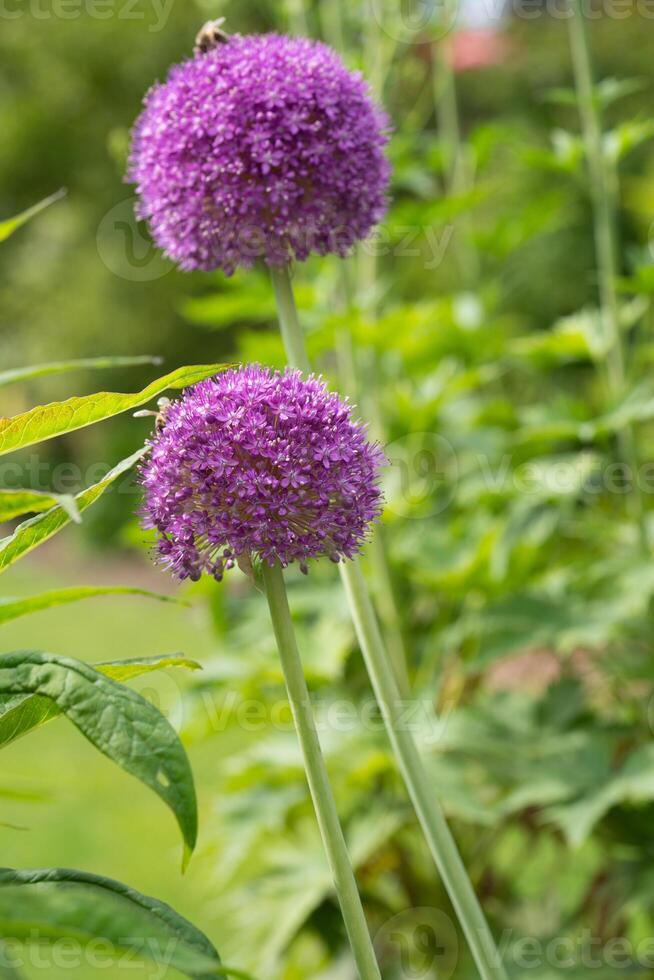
column 474, row 48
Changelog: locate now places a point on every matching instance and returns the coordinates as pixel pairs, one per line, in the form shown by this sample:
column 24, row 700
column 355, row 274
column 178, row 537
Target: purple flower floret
column 255, row 463
column 264, row 147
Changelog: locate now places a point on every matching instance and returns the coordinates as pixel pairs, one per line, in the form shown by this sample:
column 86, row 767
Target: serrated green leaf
column 16, row 503
column 10, row 225
column 12, row 608
column 56, row 903
column 22, row 713
column 46, row 421
column 87, row 363
column 33, row 532
column 117, row 721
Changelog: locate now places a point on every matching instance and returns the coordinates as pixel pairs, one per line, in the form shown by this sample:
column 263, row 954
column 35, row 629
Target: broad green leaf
column 22, row 713
column 116, row 720
column 16, row 503
column 10, row 225
column 47, row 421
column 12, row 608
column 86, row 363
column 53, row 904
column 33, row 532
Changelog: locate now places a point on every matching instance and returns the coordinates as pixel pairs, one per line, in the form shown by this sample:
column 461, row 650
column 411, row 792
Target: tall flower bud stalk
column 267, row 148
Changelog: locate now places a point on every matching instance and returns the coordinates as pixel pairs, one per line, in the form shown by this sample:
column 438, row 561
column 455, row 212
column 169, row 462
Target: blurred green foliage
column 515, row 545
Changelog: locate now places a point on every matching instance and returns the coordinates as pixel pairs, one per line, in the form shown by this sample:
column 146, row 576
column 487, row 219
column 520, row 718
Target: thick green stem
column 606, row 248
column 321, row 793
column 419, row 783
column 387, row 692
column 296, row 351
column 296, row 354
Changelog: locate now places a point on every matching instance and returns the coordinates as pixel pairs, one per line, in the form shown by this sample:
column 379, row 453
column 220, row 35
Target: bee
column 210, row 36
column 159, row 417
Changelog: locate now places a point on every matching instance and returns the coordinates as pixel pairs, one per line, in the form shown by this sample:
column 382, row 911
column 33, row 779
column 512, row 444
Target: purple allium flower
column 255, row 463
column 264, row 147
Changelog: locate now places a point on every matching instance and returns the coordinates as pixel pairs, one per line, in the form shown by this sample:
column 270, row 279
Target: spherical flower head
column 263, row 147
column 259, row 464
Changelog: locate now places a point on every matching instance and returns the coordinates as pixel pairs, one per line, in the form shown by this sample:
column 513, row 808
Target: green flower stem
column 606, row 248
column 419, row 783
column 296, row 354
column 296, row 351
column 457, row 176
column 323, row 799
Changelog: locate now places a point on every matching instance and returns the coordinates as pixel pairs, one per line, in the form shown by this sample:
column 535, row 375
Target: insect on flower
column 255, row 464
column 263, row 148
column 160, row 417
column 210, row 36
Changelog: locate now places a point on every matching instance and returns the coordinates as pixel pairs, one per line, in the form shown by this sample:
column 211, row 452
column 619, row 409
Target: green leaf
column 117, row 721
column 12, row 608
column 632, row 784
column 16, row 503
column 577, row 337
column 610, row 90
column 56, row 903
column 626, row 137
column 607, row 91
column 22, row 713
column 47, row 421
column 33, row 532
column 86, row 363
column 10, row 225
